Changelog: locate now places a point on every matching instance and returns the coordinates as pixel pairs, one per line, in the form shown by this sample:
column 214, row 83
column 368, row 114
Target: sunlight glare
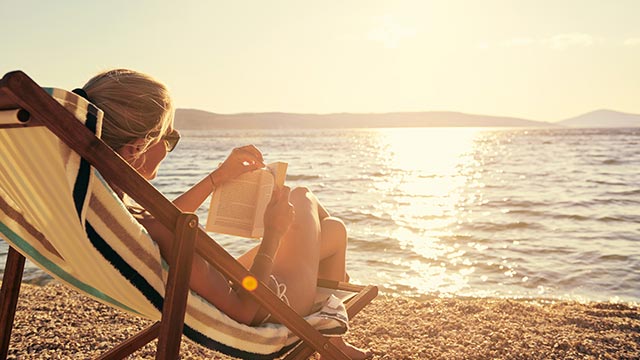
column 429, row 171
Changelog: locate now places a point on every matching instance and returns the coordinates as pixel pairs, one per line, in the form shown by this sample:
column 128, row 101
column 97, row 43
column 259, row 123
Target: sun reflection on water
column 429, row 171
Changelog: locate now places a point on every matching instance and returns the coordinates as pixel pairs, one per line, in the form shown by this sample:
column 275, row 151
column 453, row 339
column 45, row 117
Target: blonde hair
column 135, row 105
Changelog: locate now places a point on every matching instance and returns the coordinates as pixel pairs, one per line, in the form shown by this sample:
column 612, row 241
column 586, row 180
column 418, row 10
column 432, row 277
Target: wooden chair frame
column 18, row 91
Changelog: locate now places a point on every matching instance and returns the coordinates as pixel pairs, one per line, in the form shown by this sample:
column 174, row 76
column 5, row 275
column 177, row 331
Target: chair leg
column 129, row 346
column 300, row 352
column 177, row 290
column 9, row 297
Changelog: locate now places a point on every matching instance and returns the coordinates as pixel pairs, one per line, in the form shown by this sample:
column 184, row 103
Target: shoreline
column 54, row 321
column 39, row 278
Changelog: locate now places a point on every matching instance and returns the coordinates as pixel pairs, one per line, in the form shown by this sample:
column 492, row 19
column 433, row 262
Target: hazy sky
column 541, row 60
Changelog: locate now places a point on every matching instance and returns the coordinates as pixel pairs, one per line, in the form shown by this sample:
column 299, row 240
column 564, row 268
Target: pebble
column 54, row 322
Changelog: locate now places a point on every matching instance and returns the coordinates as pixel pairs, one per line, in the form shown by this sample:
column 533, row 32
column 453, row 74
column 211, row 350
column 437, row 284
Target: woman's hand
column 241, row 160
column 279, row 214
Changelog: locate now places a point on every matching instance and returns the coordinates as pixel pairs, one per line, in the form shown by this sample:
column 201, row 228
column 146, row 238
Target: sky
column 539, row 60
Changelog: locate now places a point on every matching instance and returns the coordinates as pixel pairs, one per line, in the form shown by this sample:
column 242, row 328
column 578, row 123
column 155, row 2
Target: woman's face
column 148, row 162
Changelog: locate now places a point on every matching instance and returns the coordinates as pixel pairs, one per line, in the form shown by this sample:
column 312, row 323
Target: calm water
column 551, row 213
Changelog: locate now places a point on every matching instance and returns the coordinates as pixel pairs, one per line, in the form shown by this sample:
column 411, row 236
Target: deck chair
column 57, row 209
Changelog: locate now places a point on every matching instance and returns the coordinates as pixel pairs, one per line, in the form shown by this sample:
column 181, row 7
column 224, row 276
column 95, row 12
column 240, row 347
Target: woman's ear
column 131, row 150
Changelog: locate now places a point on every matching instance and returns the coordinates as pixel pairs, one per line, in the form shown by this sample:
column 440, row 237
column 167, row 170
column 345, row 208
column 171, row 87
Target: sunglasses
column 171, row 140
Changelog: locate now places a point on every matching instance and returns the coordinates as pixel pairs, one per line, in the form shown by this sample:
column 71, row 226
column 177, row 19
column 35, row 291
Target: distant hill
column 603, row 118
column 191, row 119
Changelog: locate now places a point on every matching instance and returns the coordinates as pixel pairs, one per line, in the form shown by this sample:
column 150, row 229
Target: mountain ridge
column 603, row 118
column 195, row 119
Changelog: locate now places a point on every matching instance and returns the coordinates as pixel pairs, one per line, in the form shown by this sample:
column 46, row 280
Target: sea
column 456, row 212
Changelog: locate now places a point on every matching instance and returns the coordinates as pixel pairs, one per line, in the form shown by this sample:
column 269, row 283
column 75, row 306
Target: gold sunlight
column 431, row 169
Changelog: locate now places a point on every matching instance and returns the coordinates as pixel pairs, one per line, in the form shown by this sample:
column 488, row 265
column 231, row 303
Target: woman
column 301, row 242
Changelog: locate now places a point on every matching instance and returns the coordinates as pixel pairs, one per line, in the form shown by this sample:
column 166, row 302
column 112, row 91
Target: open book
column 238, row 206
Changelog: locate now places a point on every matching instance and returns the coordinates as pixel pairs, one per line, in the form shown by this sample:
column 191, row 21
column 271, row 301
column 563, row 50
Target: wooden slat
column 175, row 300
column 132, row 344
column 11, row 280
column 340, row 285
column 361, row 300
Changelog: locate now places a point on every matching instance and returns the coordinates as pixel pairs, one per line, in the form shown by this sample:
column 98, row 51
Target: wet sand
column 53, row 322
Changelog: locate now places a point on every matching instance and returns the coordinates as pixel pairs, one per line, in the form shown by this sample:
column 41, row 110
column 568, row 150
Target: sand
column 53, row 322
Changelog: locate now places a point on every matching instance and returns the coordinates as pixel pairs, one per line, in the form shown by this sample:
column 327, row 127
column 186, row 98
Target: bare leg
column 298, row 266
column 298, row 257
column 333, row 249
column 322, row 212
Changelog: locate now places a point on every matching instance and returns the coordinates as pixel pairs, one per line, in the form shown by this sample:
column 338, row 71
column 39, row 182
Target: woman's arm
column 191, row 200
column 241, row 160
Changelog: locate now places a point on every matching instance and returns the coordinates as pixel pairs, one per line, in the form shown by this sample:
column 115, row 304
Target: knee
column 335, row 229
column 300, row 191
column 301, row 195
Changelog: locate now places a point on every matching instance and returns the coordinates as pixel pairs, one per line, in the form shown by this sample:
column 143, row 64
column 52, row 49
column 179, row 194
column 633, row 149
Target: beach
column 54, row 322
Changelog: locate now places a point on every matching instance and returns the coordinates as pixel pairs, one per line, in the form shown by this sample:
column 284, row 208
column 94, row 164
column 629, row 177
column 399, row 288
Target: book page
column 233, row 205
column 264, row 197
column 238, row 206
column 279, row 171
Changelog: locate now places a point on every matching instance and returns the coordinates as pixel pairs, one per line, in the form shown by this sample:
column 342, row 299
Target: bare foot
column 351, row 351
